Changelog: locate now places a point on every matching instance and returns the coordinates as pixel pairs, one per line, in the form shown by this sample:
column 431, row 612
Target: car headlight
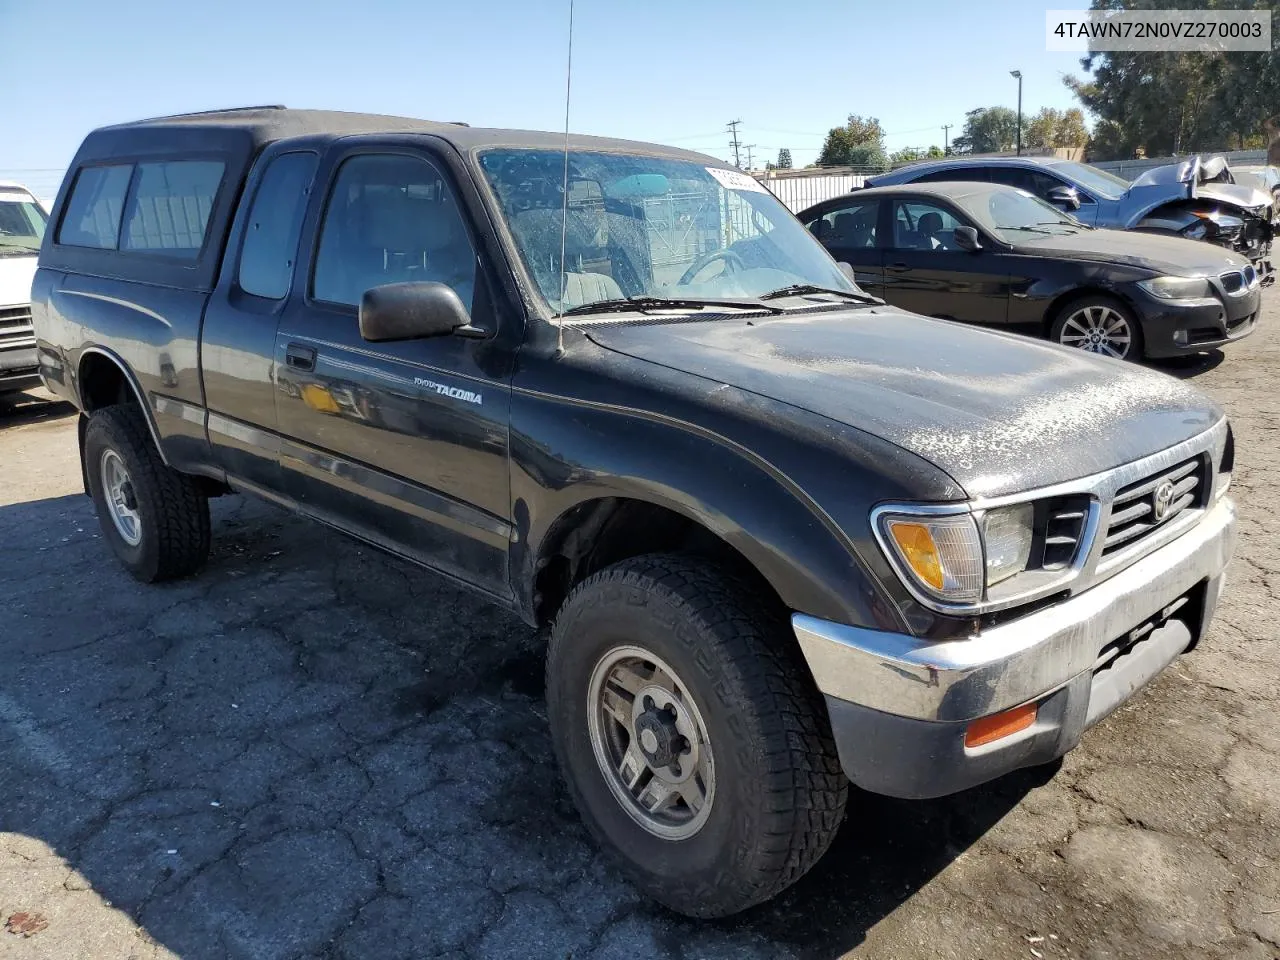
column 954, row 557
column 1177, row 288
column 1007, row 533
column 941, row 555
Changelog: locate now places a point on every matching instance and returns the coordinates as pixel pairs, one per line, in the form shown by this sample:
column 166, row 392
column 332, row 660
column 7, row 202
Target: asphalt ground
column 313, row 750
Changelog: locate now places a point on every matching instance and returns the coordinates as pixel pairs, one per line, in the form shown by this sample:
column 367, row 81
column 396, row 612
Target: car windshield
column 21, row 226
column 1011, row 213
column 1106, row 185
column 644, row 226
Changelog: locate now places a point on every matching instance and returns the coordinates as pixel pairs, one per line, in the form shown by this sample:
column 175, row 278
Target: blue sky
column 672, row 71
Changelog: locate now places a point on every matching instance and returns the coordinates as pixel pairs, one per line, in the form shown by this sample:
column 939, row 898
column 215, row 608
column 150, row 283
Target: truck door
column 402, row 443
column 239, row 333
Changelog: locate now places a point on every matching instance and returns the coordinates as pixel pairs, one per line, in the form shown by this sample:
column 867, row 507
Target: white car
column 22, row 223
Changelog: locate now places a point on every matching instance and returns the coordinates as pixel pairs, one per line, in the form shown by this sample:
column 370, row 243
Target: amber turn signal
column 1000, row 725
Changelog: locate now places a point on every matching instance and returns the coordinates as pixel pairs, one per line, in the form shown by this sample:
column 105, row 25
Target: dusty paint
column 998, row 412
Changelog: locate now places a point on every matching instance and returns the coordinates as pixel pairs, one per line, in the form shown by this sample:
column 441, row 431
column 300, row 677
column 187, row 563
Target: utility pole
column 1018, row 75
column 946, row 140
column 733, row 128
column 749, row 147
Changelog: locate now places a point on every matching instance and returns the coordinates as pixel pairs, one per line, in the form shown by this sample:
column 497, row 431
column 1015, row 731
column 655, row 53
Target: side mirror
column 847, row 270
column 1065, row 197
column 967, row 239
column 411, row 311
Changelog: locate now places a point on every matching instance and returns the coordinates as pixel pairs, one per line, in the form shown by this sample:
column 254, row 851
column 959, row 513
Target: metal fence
column 803, row 189
column 1131, row 169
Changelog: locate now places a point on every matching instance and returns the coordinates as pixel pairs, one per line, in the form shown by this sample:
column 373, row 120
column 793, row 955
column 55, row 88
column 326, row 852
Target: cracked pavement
column 314, row 750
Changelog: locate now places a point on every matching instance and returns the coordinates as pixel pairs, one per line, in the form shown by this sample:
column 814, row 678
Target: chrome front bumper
column 873, row 679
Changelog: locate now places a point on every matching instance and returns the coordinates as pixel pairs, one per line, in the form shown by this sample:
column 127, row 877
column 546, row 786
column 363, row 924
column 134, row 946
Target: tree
column 1056, row 128
column 988, row 130
column 1178, row 102
column 860, row 142
column 911, row 154
column 784, row 159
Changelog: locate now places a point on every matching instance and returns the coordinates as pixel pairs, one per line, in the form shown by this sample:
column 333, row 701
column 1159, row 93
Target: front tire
column 1099, row 324
column 692, row 738
column 155, row 518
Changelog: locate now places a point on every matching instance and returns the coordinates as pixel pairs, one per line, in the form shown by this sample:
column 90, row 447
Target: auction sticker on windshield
column 736, row 180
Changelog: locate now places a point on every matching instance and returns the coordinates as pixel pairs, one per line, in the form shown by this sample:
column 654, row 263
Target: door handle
column 898, row 267
column 300, row 357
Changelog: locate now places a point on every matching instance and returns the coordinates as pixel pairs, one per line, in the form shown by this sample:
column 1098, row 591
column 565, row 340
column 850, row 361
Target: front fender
column 803, row 526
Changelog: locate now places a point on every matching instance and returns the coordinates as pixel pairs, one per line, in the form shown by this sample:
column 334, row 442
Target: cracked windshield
column 641, row 227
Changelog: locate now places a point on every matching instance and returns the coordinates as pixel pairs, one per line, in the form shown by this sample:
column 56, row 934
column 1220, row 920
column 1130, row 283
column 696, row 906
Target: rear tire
column 767, row 773
column 1099, row 324
column 155, row 518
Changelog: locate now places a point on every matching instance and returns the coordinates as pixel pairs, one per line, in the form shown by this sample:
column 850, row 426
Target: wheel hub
column 660, row 741
column 651, row 743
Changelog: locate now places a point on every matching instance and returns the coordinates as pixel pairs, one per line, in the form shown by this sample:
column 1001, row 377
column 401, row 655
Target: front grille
column 1063, row 527
column 15, row 327
column 1233, row 282
column 1134, row 510
column 1112, row 654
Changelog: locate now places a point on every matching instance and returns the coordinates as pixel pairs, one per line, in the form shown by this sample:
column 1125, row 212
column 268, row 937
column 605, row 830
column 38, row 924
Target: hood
column 16, row 274
column 1186, row 181
column 1159, row 253
column 998, row 412
column 1241, row 195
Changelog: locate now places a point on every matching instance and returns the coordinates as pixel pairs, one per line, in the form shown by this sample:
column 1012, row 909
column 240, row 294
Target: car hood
column 998, row 412
column 1243, row 195
column 1182, row 181
column 1159, row 253
column 16, row 274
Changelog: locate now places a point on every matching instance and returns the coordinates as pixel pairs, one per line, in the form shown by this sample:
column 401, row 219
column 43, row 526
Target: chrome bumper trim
column 1018, row 661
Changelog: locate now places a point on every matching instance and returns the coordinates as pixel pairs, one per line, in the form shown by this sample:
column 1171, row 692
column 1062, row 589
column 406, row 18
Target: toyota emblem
column 1162, row 500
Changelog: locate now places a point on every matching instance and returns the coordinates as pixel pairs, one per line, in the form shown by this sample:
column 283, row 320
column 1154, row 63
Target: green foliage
column 988, row 130
column 1180, row 103
column 1056, row 128
column 860, row 142
column 784, row 159
column 911, row 154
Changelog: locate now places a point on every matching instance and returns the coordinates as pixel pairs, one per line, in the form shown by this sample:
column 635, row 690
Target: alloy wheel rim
column 1098, row 329
column 651, row 743
column 122, row 502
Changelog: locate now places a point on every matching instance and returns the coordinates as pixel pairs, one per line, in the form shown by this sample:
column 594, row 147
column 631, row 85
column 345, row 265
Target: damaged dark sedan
column 1188, row 199
column 991, row 254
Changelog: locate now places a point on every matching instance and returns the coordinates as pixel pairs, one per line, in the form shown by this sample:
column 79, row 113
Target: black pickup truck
column 784, row 537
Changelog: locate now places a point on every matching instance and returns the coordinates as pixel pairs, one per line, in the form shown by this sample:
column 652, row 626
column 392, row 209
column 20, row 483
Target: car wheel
column 1100, row 325
column 692, row 738
column 155, row 518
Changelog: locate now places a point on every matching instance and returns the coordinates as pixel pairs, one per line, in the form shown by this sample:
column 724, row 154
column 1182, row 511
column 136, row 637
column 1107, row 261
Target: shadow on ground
column 313, row 750
column 1190, row 366
column 32, row 407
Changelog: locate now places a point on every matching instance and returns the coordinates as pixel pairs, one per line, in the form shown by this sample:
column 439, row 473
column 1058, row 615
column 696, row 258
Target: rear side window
column 275, row 222
column 170, row 206
column 958, row 174
column 92, row 218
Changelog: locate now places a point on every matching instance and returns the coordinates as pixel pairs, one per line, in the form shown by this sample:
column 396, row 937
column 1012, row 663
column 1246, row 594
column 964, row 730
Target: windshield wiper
column 797, row 289
column 641, row 303
column 1047, row 233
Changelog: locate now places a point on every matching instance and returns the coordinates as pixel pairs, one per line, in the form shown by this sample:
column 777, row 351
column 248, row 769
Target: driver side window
column 918, row 225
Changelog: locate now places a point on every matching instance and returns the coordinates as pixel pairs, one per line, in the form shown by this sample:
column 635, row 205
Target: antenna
column 564, row 191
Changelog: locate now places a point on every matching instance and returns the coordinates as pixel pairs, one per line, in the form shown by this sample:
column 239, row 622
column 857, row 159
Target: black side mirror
column 411, row 311
column 967, row 239
column 1065, row 197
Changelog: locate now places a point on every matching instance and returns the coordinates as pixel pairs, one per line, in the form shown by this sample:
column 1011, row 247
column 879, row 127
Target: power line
column 733, row 128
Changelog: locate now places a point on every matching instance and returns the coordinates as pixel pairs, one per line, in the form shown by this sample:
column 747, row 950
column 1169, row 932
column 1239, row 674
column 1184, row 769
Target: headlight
column 1007, row 533
column 1177, row 288
column 941, row 555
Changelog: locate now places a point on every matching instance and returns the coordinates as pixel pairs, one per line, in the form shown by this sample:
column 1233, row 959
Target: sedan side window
column 918, row 225
column 849, row 226
column 1033, row 181
column 391, row 219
